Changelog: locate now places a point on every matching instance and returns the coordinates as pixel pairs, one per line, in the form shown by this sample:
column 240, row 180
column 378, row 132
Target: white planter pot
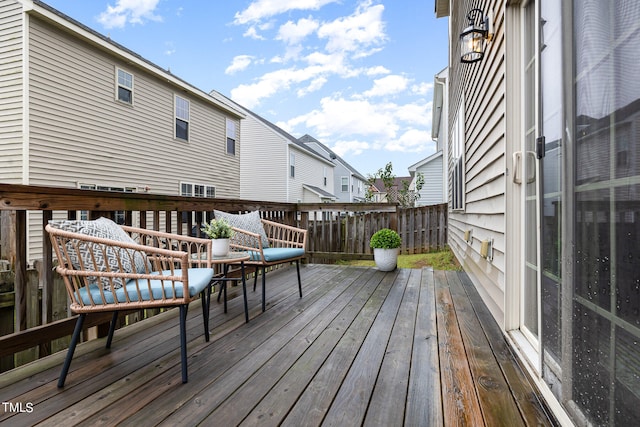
column 220, row 247
column 386, row 259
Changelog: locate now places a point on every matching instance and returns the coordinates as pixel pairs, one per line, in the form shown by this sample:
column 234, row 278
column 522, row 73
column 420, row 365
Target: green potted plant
column 386, row 247
column 220, row 231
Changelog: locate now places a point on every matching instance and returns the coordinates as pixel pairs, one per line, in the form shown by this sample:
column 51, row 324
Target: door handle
column 516, row 160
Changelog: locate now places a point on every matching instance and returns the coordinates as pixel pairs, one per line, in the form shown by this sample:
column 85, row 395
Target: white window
column 188, row 189
column 292, row 165
column 124, row 86
column 182, row 118
column 457, row 157
column 344, row 184
column 231, row 137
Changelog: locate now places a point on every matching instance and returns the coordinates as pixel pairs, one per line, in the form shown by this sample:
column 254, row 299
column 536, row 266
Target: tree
column 404, row 196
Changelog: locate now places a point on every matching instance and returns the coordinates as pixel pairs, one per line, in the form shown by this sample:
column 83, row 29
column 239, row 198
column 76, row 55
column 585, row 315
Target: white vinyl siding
column 264, row 166
column 308, row 172
column 432, row 191
column 481, row 87
column 76, row 125
column 11, row 94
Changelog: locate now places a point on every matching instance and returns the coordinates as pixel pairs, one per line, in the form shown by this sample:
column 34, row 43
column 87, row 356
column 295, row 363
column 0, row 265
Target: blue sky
column 356, row 75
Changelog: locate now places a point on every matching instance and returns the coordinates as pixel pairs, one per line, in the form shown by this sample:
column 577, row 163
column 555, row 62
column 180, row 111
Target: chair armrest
column 243, row 240
column 284, row 236
column 198, row 249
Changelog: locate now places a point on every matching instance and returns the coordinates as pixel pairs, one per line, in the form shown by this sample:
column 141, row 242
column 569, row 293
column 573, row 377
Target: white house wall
column 11, row 67
column 309, row 171
column 264, row 167
column 432, row 191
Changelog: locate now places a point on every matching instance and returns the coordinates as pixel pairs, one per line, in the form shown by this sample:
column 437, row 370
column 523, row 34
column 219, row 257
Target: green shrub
column 385, row 239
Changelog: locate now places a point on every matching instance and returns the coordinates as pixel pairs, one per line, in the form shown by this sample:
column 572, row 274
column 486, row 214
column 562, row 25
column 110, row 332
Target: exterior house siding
column 77, row 124
column 308, row 171
column 11, row 80
column 263, row 169
column 358, row 183
column 484, row 165
column 431, row 168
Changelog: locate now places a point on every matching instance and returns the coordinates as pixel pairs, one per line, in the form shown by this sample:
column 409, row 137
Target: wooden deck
column 362, row 347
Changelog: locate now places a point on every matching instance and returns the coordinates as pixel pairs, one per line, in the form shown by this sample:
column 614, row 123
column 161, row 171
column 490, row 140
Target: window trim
column 344, row 184
column 233, row 139
column 118, row 85
column 205, row 190
column 183, row 118
column 457, row 176
column 292, row 165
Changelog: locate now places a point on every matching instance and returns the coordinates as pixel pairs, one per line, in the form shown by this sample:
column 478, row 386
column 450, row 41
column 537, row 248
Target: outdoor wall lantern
column 473, row 38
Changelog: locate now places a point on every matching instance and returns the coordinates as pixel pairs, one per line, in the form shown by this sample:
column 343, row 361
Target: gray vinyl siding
column 265, row 162
column 485, row 161
column 11, row 102
column 77, row 124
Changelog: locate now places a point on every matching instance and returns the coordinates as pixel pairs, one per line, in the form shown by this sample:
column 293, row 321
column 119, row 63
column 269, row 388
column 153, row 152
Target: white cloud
column 249, row 95
column 422, row 88
column 412, row 140
column 388, row 85
column 354, row 147
column 314, row 86
column 339, row 116
column 294, row 33
column 129, row 11
column 364, row 28
column 239, row 63
column 261, row 9
column 377, row 70
column 385, row 126
column 253, row 33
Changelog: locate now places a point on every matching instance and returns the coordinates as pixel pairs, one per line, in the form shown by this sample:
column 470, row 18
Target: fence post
column 393, row 219
column 21, row 270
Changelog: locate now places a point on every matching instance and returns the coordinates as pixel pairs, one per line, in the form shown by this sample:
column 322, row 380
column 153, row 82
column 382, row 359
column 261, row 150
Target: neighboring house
column 276, row 166
column 350, row 185
column 544, row 164
column 79, row 110
column 432, row 191
column 383, row 195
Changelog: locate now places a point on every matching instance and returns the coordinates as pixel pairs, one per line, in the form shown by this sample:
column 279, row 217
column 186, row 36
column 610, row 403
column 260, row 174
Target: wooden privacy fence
column 343, row 231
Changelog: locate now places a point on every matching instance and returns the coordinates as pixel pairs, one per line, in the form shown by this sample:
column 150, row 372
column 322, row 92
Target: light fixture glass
column 473, row 38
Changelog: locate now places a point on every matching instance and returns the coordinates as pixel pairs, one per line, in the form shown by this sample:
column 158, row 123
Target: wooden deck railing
column 33, row 313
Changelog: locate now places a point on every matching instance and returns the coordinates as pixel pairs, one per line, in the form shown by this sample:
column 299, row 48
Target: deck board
column 362, row 347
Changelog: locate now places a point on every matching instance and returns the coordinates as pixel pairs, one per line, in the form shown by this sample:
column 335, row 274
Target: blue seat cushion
column 199, row 278
column 277, row 254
